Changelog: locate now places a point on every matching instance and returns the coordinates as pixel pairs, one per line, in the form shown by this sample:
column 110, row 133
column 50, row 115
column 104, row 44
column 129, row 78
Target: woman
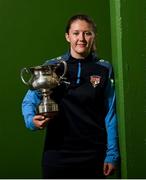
column 81, row 140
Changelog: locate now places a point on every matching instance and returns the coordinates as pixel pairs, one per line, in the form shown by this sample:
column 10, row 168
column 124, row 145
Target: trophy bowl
column 44, row 78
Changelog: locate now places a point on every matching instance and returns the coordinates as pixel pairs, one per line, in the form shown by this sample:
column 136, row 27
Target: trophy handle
column 24, row 71
column 65, row 69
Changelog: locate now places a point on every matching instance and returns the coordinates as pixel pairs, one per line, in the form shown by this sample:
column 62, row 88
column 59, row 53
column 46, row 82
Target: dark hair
column 80, row 17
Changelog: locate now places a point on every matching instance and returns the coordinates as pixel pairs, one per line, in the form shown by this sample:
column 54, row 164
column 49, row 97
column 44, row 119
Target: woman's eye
column 75, row 33
column 88, row 33
column 84, row 33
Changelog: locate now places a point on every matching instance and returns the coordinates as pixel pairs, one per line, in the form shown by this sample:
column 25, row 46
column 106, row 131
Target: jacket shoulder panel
column 56, row 60
column 107, row 65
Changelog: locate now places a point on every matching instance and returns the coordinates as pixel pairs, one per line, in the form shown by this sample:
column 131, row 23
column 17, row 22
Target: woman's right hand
column 40, row 121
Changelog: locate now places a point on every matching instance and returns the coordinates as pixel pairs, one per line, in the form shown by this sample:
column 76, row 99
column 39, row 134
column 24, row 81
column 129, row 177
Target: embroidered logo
column 95, row 80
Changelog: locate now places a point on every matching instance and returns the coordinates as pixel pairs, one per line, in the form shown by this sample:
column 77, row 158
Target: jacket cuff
column 111, row 159
column 30, row 125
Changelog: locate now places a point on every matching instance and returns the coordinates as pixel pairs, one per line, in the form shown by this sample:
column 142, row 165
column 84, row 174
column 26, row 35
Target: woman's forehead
column 81, row 24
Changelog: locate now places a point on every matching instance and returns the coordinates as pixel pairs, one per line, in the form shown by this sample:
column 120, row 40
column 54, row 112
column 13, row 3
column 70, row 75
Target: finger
column 105, row 169
column 107, row 172
column 39, row 118
column 43, row 123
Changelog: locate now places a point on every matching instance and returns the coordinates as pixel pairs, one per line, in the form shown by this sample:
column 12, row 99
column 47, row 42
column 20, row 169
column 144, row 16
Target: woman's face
column 81, row 38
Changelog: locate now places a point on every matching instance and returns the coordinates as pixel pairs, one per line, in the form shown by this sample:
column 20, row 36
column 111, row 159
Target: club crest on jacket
column 95, row 80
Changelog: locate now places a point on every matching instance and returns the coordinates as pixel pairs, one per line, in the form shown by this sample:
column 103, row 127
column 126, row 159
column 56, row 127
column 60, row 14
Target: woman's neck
column 79, row 56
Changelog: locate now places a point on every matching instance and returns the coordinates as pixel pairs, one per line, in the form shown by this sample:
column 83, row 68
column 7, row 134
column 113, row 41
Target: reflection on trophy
column 44, row 78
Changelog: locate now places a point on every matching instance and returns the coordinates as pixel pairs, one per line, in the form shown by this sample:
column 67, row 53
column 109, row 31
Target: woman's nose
column 82, row 37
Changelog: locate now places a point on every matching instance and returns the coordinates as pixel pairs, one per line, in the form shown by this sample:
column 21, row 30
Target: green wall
column 31, row 31
column 134, row 64
column 128, row 34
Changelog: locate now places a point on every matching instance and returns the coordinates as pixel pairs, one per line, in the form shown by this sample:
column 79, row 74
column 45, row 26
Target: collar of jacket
column 65, row 57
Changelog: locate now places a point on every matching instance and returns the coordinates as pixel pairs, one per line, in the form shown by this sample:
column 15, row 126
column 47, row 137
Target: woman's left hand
column 108, row 168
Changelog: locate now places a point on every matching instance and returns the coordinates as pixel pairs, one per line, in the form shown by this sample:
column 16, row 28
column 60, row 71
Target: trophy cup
column 44, row 78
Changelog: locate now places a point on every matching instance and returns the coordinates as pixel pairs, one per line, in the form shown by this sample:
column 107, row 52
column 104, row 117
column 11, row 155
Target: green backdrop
column 31, row 31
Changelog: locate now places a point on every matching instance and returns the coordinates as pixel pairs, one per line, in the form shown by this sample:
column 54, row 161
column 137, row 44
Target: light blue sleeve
column 112, row 153
column 29, row 104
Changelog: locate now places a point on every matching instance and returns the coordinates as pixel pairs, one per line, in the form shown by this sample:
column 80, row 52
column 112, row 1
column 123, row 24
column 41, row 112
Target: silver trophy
column 44, row 78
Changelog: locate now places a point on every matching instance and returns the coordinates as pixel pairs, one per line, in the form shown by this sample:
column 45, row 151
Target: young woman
column 81, row 140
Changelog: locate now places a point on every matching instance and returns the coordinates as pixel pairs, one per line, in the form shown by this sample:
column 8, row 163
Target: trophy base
column 48, row 108
column 49, row 115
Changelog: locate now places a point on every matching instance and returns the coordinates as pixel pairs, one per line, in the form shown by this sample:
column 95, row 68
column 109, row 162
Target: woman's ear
column 67, row 37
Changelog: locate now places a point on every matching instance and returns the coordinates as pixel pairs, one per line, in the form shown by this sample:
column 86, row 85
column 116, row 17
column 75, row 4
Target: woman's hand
column 40, row 121
column 108, row 168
